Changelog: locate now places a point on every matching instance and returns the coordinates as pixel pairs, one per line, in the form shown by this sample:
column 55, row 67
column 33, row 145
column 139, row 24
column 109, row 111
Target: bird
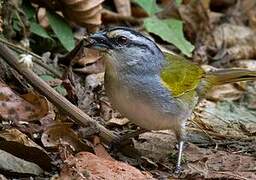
column 156, row 90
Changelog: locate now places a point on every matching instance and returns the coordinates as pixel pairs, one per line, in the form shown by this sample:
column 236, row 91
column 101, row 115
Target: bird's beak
column 100, row 41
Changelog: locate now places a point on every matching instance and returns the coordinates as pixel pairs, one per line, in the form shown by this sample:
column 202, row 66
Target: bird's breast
column 144, row 101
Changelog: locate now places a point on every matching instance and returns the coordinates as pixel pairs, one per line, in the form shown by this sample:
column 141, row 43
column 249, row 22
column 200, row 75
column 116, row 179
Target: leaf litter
column 221, row 133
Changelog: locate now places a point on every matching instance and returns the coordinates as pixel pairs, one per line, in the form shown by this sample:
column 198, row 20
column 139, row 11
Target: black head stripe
column 133, row 32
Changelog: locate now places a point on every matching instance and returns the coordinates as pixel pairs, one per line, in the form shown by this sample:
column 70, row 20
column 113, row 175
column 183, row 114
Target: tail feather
column 223, row 77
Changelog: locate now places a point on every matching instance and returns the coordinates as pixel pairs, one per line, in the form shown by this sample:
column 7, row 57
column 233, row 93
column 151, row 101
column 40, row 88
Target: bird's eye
column 122, row 40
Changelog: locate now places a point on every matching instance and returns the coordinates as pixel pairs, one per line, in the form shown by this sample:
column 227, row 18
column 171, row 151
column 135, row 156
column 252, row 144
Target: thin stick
column 55, row 98
column 37, row 59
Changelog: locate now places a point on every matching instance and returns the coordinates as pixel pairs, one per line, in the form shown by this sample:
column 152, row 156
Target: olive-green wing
column 180, row 75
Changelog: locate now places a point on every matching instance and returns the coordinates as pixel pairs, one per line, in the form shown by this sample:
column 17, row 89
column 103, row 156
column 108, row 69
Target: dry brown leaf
column 30, row 107
column 62, row 134
column 18, row 144
column 40, row 102
column 123, row 7
column 93, row 68
column 86, row 13
column 203, row 163
column 82, row 12
column 100, row 151
column 91, row 56
column 117, row 121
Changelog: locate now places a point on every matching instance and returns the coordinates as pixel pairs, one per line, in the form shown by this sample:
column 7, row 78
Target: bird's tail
column 223, row 77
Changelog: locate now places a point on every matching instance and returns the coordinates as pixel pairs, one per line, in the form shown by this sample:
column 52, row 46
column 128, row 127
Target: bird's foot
column 178, row 170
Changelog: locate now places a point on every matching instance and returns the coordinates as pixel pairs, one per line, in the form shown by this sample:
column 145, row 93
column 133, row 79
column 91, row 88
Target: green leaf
column 29, row 10
column 170, row 30
column 16, row 25
column 47, row 77
column 62, row 30
column 60, row 89
column 149, row 6
column 34, row 26
column 39, row 30
column 178, row 2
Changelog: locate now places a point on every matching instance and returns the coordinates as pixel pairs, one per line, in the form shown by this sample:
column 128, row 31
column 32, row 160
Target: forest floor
column 43, row 138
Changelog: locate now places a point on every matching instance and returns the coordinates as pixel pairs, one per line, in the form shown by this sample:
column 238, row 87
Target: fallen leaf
column 88, row 166
column 82, row 12
column 27, row 107
column 61, row 134
column 100, row 151
column 18, row 144
column 12, row 164
column 91, row 56
column 117, row 121
column 171, row 31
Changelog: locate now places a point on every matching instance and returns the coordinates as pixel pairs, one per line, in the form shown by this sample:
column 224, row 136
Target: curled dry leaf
column 86, row 13
column 62, row 134
column 91, row 56
column 28, row 107
column 82, row 12
column 18, row 144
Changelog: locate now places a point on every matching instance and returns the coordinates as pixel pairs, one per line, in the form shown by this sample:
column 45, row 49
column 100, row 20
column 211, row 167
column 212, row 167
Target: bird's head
column 127, row 47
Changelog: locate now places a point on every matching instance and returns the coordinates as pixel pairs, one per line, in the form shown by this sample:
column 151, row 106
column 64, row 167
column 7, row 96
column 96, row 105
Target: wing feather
column 180, row 75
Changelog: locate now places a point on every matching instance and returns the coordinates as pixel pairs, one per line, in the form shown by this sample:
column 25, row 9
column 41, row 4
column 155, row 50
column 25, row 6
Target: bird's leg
column 180, row 135
column 178, row 164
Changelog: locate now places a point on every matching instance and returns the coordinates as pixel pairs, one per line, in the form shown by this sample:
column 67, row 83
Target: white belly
column 144, row 114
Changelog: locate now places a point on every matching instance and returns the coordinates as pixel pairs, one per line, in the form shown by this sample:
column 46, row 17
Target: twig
column 37, row 59
column 195, row 123
column 55, row 98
